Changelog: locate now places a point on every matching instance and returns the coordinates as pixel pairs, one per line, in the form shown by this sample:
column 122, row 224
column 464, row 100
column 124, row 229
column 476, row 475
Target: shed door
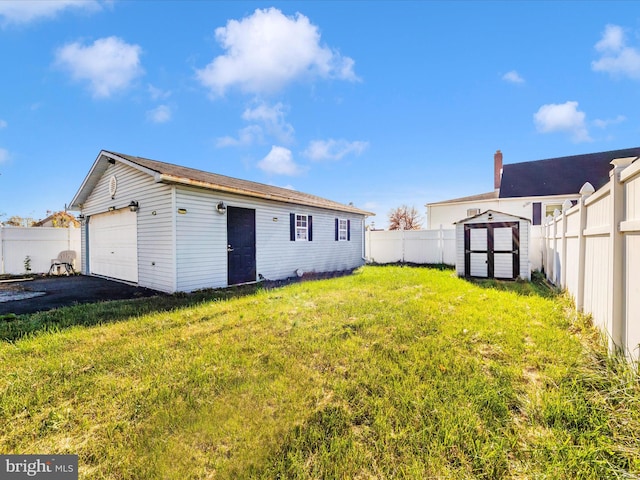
column 113, row 245
column 492, row 250
column 241, row 245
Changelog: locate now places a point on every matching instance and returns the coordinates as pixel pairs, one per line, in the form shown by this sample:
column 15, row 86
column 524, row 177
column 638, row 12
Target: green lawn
column 391, row 372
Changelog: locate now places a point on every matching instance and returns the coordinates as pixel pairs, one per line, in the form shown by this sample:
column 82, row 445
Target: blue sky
column 376, row 103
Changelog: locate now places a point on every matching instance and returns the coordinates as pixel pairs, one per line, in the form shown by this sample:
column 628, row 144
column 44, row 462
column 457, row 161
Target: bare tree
column 404, row 218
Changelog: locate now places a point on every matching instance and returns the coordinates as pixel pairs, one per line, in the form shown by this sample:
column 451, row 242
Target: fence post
column 586, row 190
column 441, row 244
column 617, row 334
column 556, row 255
column 547, row 238
column 2, row 249
column 563, row 257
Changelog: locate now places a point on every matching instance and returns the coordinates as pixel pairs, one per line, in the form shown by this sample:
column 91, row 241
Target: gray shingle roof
column 559, row 176
column 170, row 173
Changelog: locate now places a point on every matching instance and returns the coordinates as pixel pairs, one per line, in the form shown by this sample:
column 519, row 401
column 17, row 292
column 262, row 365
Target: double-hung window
column 302, row 227
column 343, row 230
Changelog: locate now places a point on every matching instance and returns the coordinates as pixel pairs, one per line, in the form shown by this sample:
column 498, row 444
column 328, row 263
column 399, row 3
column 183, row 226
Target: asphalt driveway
column 46, row 293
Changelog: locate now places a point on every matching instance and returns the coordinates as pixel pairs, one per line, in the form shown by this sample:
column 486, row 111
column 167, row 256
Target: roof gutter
column 166, row 178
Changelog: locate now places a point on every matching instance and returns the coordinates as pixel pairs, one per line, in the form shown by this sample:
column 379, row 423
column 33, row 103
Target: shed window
column 343, row 230
column 301, row 227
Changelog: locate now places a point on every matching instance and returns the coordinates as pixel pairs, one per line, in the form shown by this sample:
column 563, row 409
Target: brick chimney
column 497, row 169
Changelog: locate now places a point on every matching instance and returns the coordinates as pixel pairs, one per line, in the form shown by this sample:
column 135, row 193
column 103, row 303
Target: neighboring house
column 58, row 220
column 532, row 190
column 173, row 228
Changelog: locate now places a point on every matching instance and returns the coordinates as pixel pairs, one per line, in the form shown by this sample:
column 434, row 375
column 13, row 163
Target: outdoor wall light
column 221, row 208
column 133, row 206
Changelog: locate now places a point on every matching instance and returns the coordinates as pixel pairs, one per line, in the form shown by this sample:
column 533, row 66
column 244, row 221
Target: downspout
column 364, row 240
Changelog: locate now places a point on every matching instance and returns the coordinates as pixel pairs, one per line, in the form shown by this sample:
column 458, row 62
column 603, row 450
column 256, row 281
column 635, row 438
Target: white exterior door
column 503, row 256
column 113, row 245
column 479, row 257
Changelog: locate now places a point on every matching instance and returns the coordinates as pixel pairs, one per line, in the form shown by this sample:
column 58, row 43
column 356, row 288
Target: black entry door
column 241, row 245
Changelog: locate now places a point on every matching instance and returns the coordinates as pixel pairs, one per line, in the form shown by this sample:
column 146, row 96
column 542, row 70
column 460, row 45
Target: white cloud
column 513, row 77
column 158, row 94
column 3, row 123
column 563, row 117
column 25, row 11
column 246, row 136
column 109, row 64
column 609, row 121
column 331, row 149
column 268, row 50
column 272, row 123
column 160, row 114
column 272, row 117
column 279, row 161
column 4, row 155
column 612, row 39
column 617, row 58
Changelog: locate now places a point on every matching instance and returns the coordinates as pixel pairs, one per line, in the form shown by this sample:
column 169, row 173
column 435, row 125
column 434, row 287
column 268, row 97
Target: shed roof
column 502, row 214
column 561, row 175
column 176, row 174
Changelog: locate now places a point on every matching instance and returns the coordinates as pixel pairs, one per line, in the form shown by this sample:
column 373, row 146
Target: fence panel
column 631, row 231
column 40, row 244
column 593, row 251
column 412, row 246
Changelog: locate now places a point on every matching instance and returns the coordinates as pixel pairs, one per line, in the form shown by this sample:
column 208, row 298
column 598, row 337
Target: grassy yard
column 388, row 373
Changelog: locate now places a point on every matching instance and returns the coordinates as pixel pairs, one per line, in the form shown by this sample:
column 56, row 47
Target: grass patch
column 393, row 372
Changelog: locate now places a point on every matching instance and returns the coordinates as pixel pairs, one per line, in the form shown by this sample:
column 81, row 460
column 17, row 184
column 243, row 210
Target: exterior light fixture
column 133, row 206
column 221, row 208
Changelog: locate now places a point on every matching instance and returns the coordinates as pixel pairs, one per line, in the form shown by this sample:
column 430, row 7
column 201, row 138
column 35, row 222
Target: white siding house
column 530, row 190
column 172, row 228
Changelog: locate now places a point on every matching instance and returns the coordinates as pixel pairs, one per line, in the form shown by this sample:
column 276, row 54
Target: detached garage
column 173, row 228
column 493, row 245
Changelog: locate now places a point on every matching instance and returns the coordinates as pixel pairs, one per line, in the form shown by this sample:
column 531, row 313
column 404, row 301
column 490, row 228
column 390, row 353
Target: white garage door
column 113, row 245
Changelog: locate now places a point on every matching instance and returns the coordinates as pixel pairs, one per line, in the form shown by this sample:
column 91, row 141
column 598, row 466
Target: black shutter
column 310, row 226
column 537, row 213
column 348, row 230
column 337, row 229
column 292, row 227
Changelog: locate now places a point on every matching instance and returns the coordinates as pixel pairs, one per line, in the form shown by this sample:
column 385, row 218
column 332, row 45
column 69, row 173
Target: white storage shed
column 493, row 245
column 173, row 228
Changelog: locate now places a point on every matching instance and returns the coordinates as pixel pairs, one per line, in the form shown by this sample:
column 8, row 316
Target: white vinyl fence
column 431, row 246
column 593, row 251
column 40, row 244
column 411, row 246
